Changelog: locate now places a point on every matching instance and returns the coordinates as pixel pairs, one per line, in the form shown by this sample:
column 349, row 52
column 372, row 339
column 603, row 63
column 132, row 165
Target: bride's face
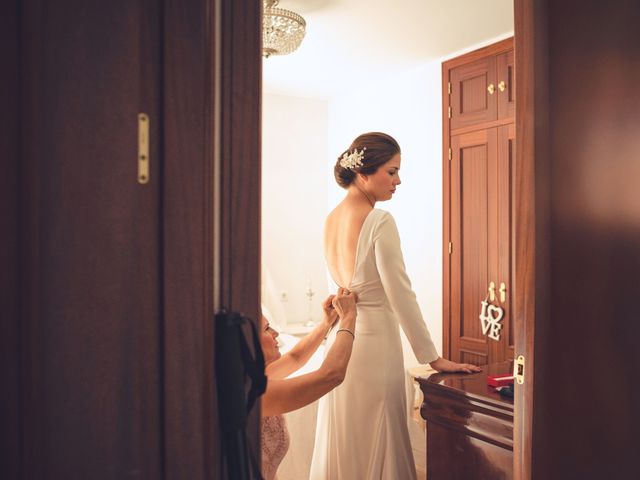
column 268, row 341
column 382, row 184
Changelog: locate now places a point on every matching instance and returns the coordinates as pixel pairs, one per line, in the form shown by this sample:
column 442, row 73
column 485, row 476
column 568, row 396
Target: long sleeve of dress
column 397, row 287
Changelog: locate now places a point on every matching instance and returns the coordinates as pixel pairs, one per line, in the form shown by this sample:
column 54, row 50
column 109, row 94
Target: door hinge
column 449, row 88
column 449, row 112
column 450, row 248
column 450, row 153
column 518, row 369
column 143, row 148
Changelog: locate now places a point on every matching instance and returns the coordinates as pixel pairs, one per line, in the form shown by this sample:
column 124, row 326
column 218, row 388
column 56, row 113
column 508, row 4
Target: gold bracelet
column 346, row 330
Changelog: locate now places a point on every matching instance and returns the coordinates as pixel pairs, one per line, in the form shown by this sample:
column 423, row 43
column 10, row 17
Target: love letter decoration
column 490, row 317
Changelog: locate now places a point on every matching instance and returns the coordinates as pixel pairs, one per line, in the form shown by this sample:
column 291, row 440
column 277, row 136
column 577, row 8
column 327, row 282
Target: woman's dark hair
column 378, row 149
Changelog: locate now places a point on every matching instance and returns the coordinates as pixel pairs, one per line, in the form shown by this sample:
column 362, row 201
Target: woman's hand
column 330, row 313
column 344, row 302
column 447, row 366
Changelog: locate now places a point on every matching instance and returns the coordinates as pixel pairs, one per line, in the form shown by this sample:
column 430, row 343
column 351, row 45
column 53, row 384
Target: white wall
column 294, row 192
column 408, row 107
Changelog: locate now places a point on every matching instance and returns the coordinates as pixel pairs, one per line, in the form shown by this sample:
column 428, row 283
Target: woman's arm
column 290, row 394
column 397, row 287
column 300, row 354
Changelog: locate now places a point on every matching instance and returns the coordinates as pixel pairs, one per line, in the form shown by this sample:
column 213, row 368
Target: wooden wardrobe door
column 506, row 92
column 474, row 232
column 471, row 99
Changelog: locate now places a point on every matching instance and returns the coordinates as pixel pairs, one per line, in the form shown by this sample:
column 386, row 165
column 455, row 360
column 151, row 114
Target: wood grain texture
column 585, row 390
column 10, row 448
column 115, row 313
column 531, row 218
column 239, row 184
column 471, row 102
column 190, row 447
column 90, row 306
column 469, row 426
column 477, row 200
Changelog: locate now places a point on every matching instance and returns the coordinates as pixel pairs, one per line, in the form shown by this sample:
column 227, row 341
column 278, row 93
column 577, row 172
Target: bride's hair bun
column 365, row 155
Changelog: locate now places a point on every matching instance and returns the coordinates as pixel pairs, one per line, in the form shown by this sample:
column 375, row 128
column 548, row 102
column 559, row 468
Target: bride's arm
column 290, row 394
column 397, row 287
column 403, row 300
column 300, row 354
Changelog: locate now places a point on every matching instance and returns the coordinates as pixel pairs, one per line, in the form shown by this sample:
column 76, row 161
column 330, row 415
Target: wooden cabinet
column 469, row 426
column 478, row 190
column 482, row 90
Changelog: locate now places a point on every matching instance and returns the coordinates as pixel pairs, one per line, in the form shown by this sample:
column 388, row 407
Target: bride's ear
column 363, row 177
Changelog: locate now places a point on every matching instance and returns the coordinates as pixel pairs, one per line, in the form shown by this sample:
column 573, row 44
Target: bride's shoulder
column 383, row 221
column 333, row 216
column 382, row 215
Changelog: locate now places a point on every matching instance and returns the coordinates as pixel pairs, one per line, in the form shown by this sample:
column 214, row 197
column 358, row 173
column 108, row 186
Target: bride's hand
column 330, row 313
column 447, row 366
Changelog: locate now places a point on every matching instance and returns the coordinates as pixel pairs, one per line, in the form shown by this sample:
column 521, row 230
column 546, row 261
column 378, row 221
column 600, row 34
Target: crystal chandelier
column 282, row 30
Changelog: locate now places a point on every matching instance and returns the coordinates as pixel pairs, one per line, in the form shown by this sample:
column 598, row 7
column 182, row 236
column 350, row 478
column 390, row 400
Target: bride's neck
column 359, row 195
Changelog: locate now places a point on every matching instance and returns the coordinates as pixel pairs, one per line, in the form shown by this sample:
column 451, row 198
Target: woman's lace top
column 275, row 443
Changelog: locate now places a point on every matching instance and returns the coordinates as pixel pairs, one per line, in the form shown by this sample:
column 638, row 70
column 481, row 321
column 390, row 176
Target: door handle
column 492, row 291
column 502, row 86
column 503, row 292
column 491, row 88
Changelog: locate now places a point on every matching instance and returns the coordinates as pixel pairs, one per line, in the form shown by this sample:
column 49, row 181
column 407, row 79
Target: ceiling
column 349, row 42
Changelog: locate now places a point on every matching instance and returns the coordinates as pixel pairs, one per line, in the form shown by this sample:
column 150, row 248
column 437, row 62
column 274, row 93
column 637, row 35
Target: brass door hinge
column 450, row 248
column 518, row 369
column 449, row 88
column 450, row 154
column 449, row 112
column 143, row 148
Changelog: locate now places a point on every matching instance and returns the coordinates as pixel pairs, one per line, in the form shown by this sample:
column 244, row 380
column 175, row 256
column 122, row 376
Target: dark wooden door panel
column 471, row 101
column 91, row 339
column 108, row 353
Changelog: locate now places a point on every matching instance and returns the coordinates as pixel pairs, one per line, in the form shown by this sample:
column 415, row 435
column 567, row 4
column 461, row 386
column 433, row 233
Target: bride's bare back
column 341, row 235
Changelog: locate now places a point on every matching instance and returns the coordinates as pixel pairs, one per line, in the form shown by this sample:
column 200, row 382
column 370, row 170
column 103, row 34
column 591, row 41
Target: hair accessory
column 352, row 160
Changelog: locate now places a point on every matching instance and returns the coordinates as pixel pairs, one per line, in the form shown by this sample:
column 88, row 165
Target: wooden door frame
column 230, row 209
column 531, row 196
column 531, row 252
column 215, row 82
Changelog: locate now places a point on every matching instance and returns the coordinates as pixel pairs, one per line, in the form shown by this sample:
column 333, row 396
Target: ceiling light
column 282, row 30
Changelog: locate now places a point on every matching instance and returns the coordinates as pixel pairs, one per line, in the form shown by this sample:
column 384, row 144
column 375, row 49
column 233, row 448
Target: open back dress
column 362, row 430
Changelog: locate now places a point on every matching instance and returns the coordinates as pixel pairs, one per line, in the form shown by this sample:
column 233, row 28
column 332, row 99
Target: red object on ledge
column 499, row 380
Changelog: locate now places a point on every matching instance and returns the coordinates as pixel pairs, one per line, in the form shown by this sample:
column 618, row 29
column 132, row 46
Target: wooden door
column 112, row 283
column 92, row 320
column 473, row 238
column 481, row 242
column 473, row 93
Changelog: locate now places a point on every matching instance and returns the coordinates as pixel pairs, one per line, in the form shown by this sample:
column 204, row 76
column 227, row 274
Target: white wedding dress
column 362, row 431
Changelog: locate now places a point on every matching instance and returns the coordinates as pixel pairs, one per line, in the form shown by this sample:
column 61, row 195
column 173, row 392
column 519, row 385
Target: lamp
column 282, row 30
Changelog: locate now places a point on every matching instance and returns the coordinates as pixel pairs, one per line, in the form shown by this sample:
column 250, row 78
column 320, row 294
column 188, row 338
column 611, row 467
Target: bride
column 362, row 425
